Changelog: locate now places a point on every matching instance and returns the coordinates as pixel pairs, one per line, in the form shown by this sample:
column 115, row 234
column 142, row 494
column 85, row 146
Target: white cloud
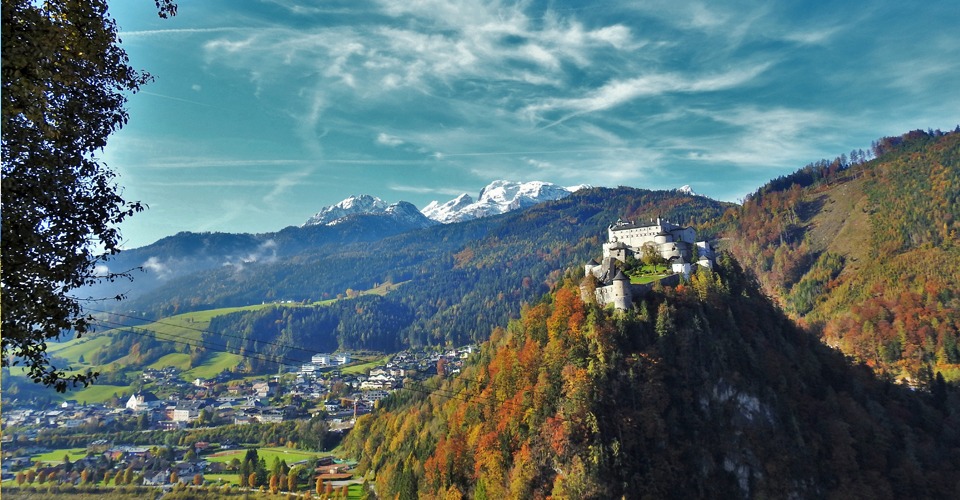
column 283, row 183
column 617, row 92
column 388, row 140
column 775, row 137
column 427, row 190
column 154, row 265
column 266, row 252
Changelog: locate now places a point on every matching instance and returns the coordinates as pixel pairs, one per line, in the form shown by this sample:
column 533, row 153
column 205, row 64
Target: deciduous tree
column 65, row 79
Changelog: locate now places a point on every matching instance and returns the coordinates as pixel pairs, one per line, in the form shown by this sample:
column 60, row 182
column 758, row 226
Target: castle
column 676, row 245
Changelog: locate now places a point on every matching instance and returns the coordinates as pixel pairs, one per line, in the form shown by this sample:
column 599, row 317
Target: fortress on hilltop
column 657, row 240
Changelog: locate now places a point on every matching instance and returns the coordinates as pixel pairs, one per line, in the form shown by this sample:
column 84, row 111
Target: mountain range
column 496, row 198
column 856, row 251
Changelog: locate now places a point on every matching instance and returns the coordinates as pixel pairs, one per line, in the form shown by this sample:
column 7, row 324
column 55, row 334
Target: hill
column 449, row 283
column 865, row 253
column 185, row 254
column 707, row 390
column 459, row 279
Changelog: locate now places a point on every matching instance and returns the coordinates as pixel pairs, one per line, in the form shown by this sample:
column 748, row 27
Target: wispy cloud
column 388, row 140
column 180, row 99
column 180, row 31
column 427, row 190
column 618, row 92
column 284, row 182
column 770, row 137
column 200, row 162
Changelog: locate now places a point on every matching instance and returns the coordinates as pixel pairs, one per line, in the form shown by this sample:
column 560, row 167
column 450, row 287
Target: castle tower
column 622, row 298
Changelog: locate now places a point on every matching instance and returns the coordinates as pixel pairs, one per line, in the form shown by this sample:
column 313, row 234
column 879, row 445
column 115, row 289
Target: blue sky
column 263, row 112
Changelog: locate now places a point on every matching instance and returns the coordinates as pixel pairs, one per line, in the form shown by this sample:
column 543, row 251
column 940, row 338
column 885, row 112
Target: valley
column 817, row 358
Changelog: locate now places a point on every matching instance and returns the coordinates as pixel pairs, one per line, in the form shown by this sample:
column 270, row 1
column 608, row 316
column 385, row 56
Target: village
column 134, row 439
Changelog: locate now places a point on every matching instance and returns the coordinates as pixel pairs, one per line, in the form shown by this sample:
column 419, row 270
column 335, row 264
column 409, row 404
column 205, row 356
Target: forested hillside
column 458, row 280
column 707, row 390
column 866, row 253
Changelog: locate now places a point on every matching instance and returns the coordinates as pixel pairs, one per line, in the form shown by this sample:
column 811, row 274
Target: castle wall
column 623, row 300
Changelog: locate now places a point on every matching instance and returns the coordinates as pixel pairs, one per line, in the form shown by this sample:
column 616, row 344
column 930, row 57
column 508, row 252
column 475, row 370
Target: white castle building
column 677, row 245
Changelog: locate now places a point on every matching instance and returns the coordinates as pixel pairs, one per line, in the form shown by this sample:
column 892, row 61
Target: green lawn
column 646, row 278
column 100, row 393
column 231, row 478
column 268, row 454
column 204, row 317
column 361, row 368
column 73, row 349
column 176, row 359
column 213, row 365
column 56, row 456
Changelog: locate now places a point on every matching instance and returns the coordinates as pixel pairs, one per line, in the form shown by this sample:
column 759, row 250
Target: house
column 158, row 479
column 265, row 389
column 143, row 400
column 188, row 410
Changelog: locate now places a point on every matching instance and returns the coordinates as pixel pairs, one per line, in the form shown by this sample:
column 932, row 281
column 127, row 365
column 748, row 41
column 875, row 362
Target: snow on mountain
column 497, row 198
column 406, row 212
column 447, row 212
column 365, row 204
column 686, row 189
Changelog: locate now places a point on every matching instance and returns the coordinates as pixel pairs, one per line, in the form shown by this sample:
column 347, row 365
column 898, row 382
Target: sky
column 263, row 112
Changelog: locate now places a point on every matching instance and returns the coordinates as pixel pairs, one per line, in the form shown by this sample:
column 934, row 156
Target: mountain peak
column 500, row 196
column 353, row 205
column 364, row 204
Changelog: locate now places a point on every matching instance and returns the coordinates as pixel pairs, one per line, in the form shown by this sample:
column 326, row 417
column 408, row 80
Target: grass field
column 206, row 316
column 100, row 393
column 354, row 369
column 213, row 365
column 268, row 454
column 646, row 278
column 56, row 456
column 225, row 478
column 73, row 349
column 177, row 359
column 380, row 290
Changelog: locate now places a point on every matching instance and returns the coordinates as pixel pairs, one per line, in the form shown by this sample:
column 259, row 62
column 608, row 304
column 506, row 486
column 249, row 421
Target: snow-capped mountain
column 406, row 212
column 497, row 198
column 686, row 189
column 446, row 212
column 369, row 205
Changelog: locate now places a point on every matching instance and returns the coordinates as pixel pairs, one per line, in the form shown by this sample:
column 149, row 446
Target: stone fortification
column 675, row 244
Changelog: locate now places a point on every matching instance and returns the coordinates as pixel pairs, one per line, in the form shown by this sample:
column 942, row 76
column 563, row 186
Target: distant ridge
column 366, row 204
column 496, row 198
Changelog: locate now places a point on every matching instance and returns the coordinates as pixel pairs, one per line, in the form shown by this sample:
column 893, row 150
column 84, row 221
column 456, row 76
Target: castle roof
column 620, row 276
column 593, row 262
column 620, row 225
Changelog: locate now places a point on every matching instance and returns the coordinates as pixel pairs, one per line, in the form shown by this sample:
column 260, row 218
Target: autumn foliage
column 888, row 298
column 701, row 386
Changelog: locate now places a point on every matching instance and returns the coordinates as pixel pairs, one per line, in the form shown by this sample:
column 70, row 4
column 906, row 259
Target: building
column 675, row 244
column 143, row 400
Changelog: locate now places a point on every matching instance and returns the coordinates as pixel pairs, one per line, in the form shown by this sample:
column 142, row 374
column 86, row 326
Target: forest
column 864, row 254
column 457, row 280
column 705, row 390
